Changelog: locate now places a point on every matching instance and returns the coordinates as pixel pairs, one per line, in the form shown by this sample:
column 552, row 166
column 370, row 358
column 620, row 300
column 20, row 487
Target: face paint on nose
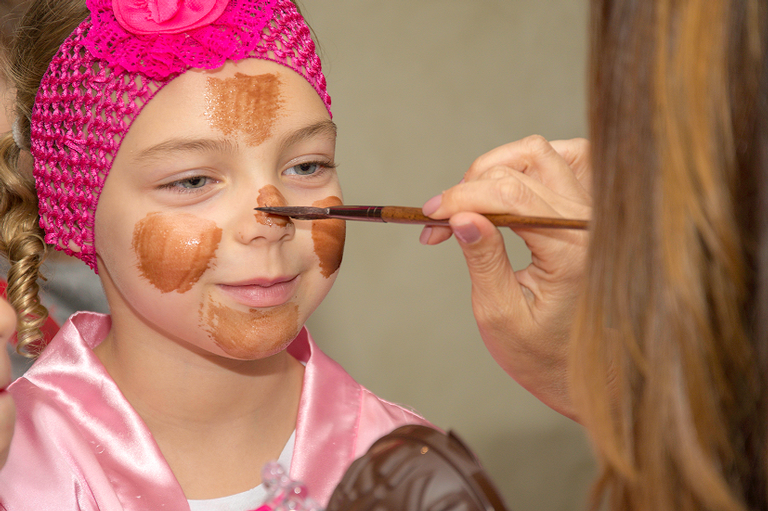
column 270, row 196
column 328, row 237
column 174, row 250
column 244, row 105
column 251, row 334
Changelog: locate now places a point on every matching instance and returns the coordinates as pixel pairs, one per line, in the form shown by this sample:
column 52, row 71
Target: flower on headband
column 166, row 16
column 161, row 38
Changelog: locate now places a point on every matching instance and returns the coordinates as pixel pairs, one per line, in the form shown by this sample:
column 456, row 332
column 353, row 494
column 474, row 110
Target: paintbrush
column 404, row 215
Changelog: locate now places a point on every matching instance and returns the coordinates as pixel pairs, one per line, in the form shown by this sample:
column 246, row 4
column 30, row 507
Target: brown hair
column 668, row 358
column 40, row 33
column 10, row 13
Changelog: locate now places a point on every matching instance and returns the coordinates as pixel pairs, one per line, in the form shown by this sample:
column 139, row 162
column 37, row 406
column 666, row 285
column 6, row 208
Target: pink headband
column 114, row 63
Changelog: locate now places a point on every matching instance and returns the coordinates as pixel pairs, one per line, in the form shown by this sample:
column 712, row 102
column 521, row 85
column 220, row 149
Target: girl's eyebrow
column 325, row 127
column 180, row 145
column 202, row 145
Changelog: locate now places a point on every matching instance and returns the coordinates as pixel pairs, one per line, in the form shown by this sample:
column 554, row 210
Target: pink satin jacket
column 79, row 445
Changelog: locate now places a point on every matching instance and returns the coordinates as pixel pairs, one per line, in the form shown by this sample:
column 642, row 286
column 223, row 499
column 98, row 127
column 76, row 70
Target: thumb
column 493, row 279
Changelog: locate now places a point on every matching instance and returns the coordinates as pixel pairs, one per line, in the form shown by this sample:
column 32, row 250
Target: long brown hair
column 669, row 348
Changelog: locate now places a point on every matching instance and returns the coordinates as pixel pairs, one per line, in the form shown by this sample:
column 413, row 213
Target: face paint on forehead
column 253, row 333
column 174, row 250
column 328, row 237
column 271, row 196
column 244, row 105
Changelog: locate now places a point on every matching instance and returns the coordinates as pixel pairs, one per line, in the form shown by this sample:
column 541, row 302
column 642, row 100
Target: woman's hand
column 524, row 316
column 7, row 409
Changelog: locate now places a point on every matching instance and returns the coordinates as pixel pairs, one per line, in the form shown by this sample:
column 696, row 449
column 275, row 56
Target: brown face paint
column 174, row 250
column 252, row 334
column 243, row 104
column 270, row 196
column 329, row 236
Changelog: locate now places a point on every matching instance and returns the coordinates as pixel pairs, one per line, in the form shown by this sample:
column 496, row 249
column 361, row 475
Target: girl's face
column 181, row 251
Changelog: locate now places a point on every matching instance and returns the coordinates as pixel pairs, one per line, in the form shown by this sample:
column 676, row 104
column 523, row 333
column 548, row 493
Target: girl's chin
column 253, row 333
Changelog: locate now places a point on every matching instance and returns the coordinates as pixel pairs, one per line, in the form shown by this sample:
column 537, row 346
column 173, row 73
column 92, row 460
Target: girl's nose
column 258, row 225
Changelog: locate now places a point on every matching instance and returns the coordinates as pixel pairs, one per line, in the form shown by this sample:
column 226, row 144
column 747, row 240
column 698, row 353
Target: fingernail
column 432, row 204
column 426, row 233
column 466, row 233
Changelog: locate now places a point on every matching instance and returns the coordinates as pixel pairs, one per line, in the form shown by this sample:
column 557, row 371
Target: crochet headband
column 113, row 64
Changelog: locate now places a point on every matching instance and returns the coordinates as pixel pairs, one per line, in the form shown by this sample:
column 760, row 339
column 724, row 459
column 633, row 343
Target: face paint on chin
column 270, row 196
column 245, row 105
column 252, row 334
column 328, row 237
column 174, row 250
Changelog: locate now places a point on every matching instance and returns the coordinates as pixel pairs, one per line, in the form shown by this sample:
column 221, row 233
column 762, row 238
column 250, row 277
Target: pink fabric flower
column 237, row 31
column 145, row 17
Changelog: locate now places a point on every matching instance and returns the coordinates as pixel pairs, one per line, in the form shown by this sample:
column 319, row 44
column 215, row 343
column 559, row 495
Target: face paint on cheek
column 328, row 237
column 251, row 334
column 245, row 105
column 174, row 250
column 270, row 196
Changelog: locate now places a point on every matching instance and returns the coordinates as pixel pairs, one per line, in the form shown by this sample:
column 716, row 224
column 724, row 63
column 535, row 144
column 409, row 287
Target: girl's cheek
column 174, row 250
column 328, row 237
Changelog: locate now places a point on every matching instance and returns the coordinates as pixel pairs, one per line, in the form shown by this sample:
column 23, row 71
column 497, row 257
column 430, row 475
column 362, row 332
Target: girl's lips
column 262, row 294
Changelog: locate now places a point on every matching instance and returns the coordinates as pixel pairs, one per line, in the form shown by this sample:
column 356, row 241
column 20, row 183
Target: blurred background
column 420, row 89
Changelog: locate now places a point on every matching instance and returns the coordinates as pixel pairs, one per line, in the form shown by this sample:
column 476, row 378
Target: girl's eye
column 188, row 184
column 193, row 182
column 305, row 169
column 311, row 168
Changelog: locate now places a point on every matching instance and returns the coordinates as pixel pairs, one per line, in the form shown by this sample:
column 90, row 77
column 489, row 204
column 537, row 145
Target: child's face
column 182, row 252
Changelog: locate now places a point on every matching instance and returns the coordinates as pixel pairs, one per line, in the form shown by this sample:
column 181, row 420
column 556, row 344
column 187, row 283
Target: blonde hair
column 41, row 31
column 668, row 360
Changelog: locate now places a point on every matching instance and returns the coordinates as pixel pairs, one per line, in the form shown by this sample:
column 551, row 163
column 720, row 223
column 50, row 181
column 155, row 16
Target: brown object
column 405, row 215
column 270, row 196
column 416, row 468
column 174, row 250
column 244, row 104
column 328, row 238
column 251, row 334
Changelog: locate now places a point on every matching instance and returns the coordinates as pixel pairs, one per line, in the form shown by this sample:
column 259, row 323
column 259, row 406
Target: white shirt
column 247, row 500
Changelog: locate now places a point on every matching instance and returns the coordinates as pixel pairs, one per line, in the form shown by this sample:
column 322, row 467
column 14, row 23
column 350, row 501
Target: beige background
column 420, row 89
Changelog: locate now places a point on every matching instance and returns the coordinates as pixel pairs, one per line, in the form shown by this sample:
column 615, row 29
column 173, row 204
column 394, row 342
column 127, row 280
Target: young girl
column 154, row 131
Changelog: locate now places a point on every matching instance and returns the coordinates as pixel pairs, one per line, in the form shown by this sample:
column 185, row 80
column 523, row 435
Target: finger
column 577, row 153
column 515, row 194
column 7, row 409
column 7, row 321
column 533, row 156
column 435, row 234
column 494, row 284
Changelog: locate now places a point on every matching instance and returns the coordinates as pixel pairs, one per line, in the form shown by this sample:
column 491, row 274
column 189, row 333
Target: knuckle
column 582, row 144
column 537, row 145
column 489, row 266
column 453, row 197
column 582, row 147
column 497, row 172
column 511, row 191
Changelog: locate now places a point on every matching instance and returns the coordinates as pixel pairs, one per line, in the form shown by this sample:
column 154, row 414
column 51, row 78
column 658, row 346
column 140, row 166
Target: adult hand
column 7, row 409
column 524, row 316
